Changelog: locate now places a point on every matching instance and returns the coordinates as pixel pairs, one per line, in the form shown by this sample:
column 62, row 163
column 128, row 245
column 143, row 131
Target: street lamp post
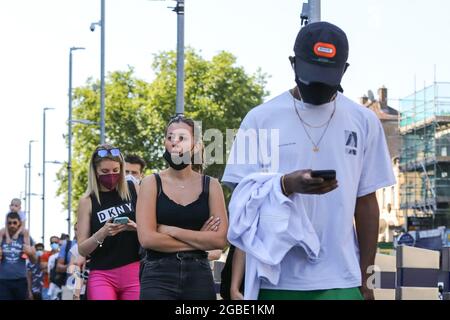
column 311, row 12
column 86, row 122
column 102, row 76
column 43, row 174
column 69, row 158
column 179, row 9
column 26, row 189
column 101, row 24
column 314, row 10
column 29, row 183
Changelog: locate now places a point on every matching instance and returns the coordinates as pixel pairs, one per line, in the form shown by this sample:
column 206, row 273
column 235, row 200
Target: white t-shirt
column 354, row 145
column 74, row 251
column 51, row 262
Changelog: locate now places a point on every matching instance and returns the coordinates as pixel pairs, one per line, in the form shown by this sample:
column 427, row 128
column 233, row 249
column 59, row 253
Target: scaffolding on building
column 425, row 157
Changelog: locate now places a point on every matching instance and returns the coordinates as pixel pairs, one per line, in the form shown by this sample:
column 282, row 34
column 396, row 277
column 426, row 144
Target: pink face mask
column 109, row 181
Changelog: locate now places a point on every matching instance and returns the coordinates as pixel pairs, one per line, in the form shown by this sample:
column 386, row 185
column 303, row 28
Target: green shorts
column 331, row 294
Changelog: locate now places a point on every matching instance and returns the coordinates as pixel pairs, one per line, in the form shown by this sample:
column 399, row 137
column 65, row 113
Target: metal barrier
column 386, row 273
column 417, row 274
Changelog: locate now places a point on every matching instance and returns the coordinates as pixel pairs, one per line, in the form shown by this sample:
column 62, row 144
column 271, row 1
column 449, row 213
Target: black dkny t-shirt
column 123, row 248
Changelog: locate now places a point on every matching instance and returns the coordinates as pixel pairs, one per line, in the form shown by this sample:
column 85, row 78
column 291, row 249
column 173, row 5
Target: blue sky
column 391, row 43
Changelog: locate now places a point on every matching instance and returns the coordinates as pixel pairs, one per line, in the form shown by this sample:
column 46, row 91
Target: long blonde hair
column 93, row 188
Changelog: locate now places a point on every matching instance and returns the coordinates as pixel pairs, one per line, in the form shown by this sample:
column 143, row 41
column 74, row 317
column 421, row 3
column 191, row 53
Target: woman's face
column 108, row 166
column 179, row 138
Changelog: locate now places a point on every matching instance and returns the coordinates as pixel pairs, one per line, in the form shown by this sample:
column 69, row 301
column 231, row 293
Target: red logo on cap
column 326, row 50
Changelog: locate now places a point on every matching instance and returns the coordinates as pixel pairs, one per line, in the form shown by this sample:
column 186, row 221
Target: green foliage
column 217, row 92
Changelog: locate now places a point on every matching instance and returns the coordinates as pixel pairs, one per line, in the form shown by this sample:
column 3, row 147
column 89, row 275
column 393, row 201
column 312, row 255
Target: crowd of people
column 293, row 231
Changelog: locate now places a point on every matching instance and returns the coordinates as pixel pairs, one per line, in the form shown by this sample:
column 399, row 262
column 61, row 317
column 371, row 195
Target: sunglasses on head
column 177, row 116
column 115, row 152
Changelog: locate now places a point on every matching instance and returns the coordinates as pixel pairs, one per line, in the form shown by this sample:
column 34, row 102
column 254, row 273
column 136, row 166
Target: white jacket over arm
column 266, row 224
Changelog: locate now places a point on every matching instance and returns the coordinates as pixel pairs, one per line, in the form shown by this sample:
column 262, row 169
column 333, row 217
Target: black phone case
column 324, row 174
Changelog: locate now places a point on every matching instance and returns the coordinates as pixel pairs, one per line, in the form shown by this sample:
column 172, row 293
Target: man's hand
column 301, row 182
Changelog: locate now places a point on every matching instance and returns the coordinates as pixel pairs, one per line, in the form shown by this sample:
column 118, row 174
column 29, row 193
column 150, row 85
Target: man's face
column 14, row 207
column 133, row 169
column 13, row 225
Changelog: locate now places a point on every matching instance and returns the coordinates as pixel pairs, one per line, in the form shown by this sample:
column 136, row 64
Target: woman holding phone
column 181, row 214
column 106, row 228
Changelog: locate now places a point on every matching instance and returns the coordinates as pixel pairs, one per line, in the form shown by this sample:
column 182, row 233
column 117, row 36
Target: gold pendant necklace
column 327, row 124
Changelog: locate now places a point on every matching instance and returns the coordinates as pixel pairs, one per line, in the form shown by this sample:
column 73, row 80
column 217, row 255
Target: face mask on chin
column 180, row 162
column 316, row 93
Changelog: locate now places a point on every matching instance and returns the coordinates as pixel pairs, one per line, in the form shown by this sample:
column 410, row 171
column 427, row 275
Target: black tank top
column 191, row 216
column 123, row 248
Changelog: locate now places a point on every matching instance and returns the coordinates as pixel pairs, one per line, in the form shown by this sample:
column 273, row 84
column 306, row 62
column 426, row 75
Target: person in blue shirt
column 65, row 254
column 35, row 275
column 13, row 272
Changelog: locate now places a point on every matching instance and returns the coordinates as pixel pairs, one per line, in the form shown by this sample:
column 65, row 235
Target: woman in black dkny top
column 106, row 228
column 180, row 214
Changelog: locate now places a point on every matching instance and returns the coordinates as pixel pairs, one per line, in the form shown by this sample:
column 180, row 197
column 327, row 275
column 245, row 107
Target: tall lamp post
column 179, row 9
column 26, row 191
column 43, row 174
column 314, row 10
column 311, row 12
column 69, row 158
column 29, row 183
column 101, row 24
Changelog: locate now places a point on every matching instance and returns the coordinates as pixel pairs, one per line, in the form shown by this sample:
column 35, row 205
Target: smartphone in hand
column 120, row 220
column 324, row 174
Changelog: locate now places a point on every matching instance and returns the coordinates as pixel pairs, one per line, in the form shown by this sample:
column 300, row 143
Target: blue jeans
column 177, row 277
column 16, row 289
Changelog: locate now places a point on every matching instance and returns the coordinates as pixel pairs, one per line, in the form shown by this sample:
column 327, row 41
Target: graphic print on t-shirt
column 114, row 212
column 12, row 251
column 351, row 142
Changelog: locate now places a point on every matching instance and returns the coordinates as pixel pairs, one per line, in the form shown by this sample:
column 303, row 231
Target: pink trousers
column 115, row 284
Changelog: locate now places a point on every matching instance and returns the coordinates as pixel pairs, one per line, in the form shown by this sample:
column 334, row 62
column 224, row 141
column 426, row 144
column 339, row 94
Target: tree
column 217, row 92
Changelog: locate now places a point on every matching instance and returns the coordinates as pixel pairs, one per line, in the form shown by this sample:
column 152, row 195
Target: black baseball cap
column 321, row 53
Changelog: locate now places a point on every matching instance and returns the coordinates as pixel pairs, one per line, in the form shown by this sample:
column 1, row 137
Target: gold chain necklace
column 327, row 124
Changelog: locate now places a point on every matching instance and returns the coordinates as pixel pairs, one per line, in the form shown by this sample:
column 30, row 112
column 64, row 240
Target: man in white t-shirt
column 311, row 127
column 53, row 290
